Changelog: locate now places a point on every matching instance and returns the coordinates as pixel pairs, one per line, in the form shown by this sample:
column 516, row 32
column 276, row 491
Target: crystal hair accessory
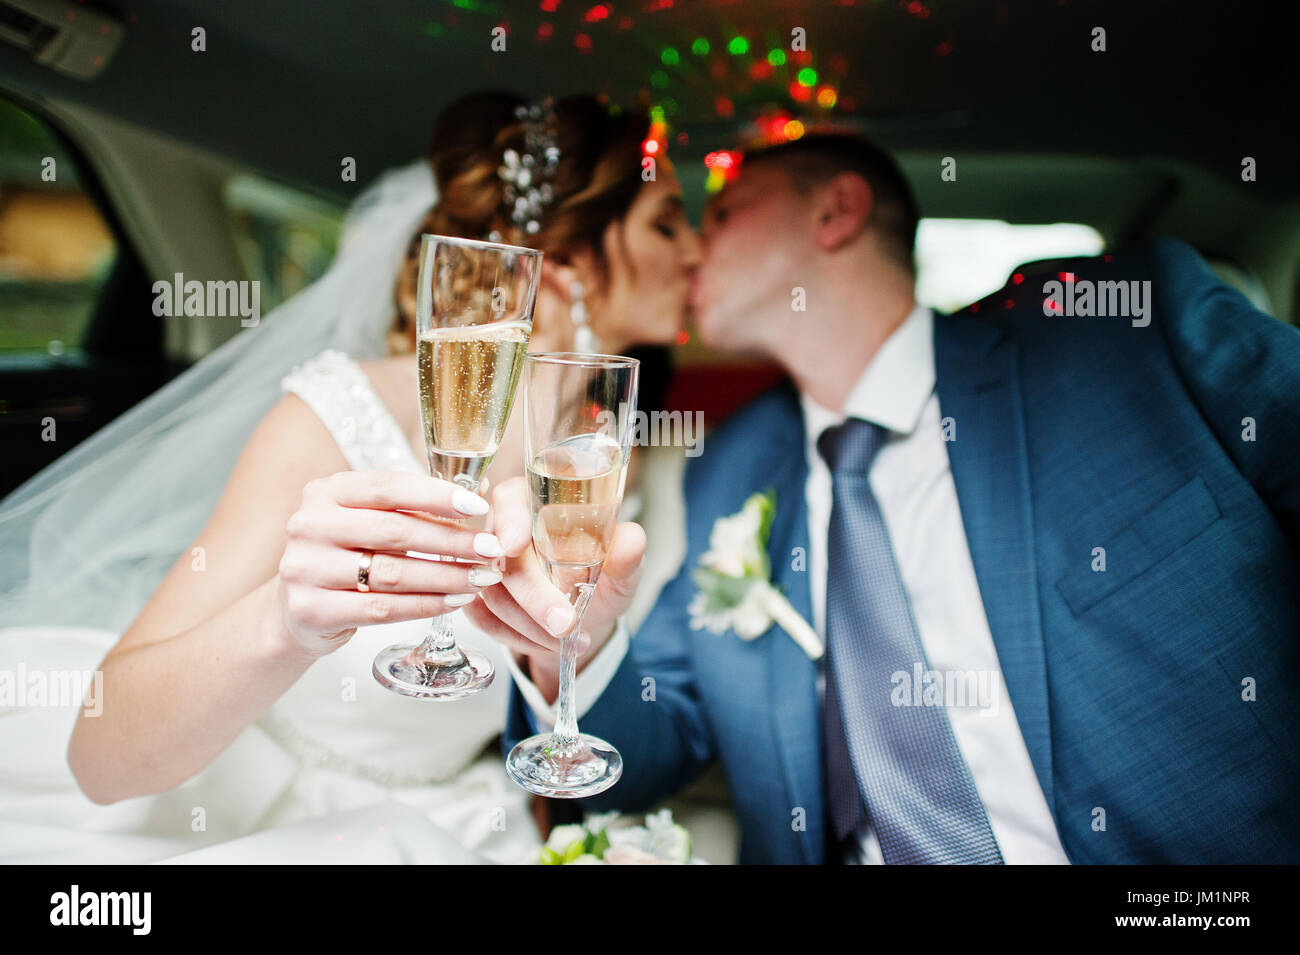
column 528, row 177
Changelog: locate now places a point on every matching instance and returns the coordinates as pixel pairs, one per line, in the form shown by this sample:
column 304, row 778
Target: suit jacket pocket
column 1175, row 521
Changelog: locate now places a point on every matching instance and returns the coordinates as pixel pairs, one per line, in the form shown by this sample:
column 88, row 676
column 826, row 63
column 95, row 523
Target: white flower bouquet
column 608, row 839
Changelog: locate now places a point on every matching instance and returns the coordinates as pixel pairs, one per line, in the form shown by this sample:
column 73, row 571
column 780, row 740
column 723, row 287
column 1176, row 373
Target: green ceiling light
column 669, row 56
column 700, row 47
column 738, row 46
column 434, row 29
column 659, row 79
column 669, row 105
column 776, row 57
column 807, row 76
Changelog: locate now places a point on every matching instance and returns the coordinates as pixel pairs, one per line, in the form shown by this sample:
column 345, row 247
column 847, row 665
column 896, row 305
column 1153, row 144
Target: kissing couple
column 1062, row 508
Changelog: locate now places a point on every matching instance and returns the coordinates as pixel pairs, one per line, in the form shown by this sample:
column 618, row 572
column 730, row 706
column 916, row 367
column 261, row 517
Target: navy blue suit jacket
column 1131, row 686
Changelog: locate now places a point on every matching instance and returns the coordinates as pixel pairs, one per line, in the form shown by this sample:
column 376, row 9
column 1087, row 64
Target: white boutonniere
column 735, row 580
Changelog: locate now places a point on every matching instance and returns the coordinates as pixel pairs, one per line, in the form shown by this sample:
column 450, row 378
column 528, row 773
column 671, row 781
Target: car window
column 959, row 261
column 56, row 250
column 285, row 237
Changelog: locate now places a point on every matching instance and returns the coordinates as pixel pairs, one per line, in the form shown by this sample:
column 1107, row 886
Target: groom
column 1095, row 518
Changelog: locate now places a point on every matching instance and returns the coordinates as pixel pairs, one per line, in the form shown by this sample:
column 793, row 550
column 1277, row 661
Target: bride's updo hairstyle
column 595, row 183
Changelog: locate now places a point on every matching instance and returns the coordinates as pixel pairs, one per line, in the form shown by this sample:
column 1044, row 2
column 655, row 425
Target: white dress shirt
column 912, row 482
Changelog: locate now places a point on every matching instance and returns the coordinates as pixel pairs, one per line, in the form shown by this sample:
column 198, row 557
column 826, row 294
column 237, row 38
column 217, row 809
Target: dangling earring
column 584, row 339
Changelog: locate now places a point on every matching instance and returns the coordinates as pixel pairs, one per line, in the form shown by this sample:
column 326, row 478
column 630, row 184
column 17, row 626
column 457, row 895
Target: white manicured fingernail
column 458, row 600
column 486, row 545
column 469, row 503
column 484, row 577
column 558, row 619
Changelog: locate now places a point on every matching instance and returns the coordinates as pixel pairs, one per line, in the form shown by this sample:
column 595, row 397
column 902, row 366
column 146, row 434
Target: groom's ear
column 841, row 210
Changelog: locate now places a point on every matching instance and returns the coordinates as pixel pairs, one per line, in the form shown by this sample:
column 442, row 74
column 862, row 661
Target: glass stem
column 565, row 735
column 441, row 640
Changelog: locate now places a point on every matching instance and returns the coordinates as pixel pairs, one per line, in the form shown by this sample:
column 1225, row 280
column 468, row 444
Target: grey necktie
column 902, row 761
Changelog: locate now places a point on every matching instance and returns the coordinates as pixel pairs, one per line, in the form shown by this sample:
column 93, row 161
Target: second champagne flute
column 578, row 411
column 474, row 315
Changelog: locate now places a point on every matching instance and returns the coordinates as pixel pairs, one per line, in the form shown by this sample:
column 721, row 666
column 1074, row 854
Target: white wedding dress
column 338, row 770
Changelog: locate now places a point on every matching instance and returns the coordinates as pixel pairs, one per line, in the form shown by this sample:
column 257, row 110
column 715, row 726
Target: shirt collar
column 894, row 387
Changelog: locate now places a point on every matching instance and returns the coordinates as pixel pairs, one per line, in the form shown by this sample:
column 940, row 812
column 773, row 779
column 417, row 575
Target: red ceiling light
column 723, row 165
column 776, row 125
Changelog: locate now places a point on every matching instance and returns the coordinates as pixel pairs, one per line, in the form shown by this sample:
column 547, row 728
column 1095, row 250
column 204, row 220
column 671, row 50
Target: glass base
column 591, row 767
column 398, row 669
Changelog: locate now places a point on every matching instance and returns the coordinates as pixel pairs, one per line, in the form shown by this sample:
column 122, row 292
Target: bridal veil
column 87, row 540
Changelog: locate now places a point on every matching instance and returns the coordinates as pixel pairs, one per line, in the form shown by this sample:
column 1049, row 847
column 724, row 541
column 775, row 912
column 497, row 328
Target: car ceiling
column 291, row 88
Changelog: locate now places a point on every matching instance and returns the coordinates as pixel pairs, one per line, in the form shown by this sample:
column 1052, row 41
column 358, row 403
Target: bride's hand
column 526, row 612
column 386, row 513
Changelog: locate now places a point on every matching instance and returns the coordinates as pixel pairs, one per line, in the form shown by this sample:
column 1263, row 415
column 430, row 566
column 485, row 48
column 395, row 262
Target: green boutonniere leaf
column 721, row 592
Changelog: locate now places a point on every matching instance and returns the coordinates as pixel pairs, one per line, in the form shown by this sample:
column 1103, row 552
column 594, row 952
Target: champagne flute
column 474, row 315
column 578, row 411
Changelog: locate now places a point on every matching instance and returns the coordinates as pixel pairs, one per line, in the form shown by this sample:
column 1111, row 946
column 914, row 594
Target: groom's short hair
column 814, row 158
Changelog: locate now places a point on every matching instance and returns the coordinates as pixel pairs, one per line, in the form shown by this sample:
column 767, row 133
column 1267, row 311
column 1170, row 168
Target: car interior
column 144, row 138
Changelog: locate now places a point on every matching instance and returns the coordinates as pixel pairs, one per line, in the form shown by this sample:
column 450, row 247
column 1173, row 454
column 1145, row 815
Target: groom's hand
column 527, row 613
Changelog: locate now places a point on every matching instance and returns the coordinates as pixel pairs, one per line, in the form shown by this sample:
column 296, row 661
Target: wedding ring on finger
column 390, row 573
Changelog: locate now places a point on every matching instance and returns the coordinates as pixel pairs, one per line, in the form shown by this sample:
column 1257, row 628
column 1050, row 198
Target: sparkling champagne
column 467, row 385
column 575, row 489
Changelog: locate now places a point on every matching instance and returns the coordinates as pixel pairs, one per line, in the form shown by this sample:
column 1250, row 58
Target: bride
column 240, row 699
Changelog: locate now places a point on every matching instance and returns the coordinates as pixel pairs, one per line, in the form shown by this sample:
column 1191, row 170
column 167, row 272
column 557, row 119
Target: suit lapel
column 979, row 389
column 792, row 676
